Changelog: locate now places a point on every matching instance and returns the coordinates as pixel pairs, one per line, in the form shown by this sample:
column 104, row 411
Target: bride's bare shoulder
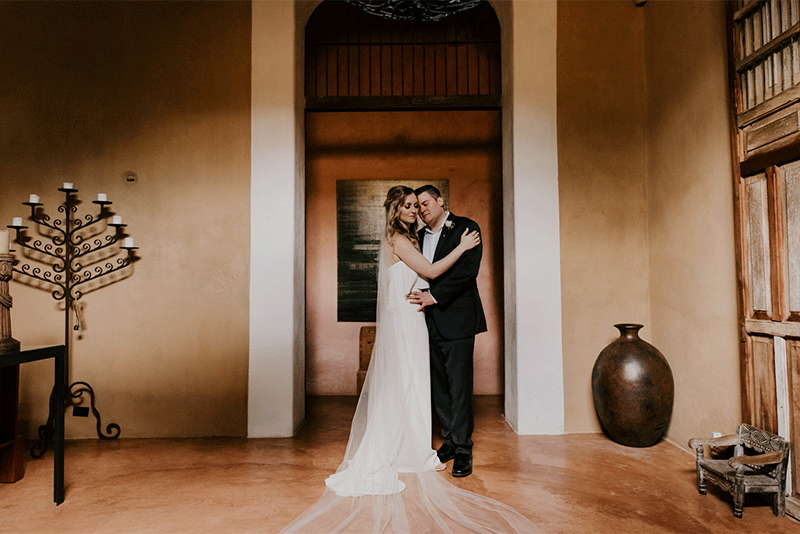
column 389, row 247
column 404, row 249
column 400, row 241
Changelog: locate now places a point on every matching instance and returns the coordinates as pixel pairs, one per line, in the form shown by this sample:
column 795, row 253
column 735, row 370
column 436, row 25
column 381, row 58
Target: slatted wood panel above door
column 766, row 70
column 360, row 61
column 769, row 62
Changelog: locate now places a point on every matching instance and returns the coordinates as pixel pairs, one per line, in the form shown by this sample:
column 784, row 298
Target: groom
column 454, row 315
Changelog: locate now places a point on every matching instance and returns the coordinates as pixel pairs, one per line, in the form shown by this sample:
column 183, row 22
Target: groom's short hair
column 431, row 190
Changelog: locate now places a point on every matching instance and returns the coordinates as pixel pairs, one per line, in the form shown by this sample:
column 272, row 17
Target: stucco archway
column 533, row 363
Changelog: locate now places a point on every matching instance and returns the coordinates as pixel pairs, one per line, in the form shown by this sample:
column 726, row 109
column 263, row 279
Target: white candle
column 17, row 221
column 34, row 199
column 128, row 242
column 101, row 197
column 67, row 185
column 3, row 241
column 116, row 219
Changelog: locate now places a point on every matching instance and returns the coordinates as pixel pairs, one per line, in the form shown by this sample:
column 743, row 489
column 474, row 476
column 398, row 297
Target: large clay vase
column 633, row 389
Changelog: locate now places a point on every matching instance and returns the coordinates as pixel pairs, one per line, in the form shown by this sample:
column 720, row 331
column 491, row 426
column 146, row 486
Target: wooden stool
column 746, row 473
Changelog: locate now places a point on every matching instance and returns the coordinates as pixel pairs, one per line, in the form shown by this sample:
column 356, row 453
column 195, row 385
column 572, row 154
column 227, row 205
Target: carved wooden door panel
column 764, row 42
column 770, row 253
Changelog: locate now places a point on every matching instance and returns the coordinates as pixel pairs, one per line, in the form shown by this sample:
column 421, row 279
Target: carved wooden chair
column 764, row 472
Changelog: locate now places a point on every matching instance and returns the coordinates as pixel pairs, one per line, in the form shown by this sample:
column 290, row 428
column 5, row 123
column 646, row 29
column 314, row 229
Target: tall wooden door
column 765, row 73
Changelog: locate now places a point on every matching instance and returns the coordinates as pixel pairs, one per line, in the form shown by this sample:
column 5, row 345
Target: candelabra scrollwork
column 73, row 253
column 45, row 431
column 77, row 389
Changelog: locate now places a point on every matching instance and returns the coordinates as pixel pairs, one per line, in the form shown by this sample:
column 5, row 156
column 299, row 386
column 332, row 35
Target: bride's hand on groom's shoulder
column 470, row 239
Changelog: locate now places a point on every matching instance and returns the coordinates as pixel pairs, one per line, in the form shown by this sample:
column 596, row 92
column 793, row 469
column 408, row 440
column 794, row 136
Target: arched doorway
column 534, row 377
column 390, row 102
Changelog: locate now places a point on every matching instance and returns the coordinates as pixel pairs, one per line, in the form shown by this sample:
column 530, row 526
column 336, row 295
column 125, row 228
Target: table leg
column 58, row 428
column 12, row 444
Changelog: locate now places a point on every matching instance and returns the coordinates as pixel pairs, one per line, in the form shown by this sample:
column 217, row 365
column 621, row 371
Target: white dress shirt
column 429, row 248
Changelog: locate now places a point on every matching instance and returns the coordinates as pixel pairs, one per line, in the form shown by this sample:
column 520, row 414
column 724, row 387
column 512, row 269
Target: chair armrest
column 758, row 459
column 724, row 441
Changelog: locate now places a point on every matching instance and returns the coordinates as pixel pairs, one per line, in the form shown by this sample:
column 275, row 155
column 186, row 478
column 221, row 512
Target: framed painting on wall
column 360, row 223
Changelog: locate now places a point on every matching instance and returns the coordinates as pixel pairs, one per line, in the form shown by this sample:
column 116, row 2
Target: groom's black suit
column 453, row 322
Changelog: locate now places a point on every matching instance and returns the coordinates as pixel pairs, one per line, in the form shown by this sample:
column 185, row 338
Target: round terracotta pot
column 633, row 389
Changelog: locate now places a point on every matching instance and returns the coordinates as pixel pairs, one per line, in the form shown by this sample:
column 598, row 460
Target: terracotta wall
column 690, row 214
column 462, row 147
column 94, row 89
column 602, row 168
column 645, row 188
column 91, row 90
column 647, row 206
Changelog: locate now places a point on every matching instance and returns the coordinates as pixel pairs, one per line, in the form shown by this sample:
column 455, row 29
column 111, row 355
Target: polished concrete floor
column 579, row 483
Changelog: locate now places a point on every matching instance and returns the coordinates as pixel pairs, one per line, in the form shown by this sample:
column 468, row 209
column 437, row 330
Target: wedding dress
column 387, row 482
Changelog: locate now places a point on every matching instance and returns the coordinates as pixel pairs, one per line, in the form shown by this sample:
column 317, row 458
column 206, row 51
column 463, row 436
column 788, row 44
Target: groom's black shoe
column 446, row 453
column 463, row 465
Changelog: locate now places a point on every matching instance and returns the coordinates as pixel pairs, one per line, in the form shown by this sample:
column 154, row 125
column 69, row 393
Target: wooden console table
column 8, row 362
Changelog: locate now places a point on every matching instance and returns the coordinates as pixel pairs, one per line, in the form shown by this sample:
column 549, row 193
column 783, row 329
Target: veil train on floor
column 387, row 482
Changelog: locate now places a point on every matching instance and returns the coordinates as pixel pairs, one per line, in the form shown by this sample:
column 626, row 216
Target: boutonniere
column 448, row 224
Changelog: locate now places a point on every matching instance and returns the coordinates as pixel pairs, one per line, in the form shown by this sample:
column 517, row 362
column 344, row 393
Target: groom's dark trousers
column 453, row 322
column 451, row 388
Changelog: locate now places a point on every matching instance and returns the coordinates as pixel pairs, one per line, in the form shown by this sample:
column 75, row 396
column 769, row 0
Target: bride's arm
column 412, row 257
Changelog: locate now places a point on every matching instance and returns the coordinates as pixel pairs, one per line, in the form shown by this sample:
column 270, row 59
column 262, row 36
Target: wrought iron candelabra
column 74, row 252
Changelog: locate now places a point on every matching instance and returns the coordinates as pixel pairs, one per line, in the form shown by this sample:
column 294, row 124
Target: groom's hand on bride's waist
column 422, row 298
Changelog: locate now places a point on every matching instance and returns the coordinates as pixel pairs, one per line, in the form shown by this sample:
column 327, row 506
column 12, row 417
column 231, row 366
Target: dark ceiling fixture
column 418, row 10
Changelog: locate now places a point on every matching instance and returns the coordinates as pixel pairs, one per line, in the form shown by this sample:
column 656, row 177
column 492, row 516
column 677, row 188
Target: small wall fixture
column 130, row 177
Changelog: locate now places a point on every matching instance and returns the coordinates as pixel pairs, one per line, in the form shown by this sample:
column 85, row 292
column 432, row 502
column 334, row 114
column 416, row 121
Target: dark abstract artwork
column 360, row 222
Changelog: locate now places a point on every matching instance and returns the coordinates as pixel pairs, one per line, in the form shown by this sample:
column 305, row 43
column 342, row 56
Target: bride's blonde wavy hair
column 395, row 198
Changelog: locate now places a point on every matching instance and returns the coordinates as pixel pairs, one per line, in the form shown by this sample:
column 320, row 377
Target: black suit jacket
column 458, row 312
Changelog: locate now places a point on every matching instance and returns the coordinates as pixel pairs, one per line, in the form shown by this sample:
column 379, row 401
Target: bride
column 388, row 480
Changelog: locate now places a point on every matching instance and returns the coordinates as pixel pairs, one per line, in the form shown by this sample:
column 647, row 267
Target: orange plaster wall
column 90, row 91
column 602, row 167
column 460, row 146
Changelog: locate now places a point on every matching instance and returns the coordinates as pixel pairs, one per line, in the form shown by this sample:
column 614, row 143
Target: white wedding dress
column 387, row 482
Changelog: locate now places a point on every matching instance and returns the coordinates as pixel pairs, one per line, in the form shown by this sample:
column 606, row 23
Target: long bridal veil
column 387, row 482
